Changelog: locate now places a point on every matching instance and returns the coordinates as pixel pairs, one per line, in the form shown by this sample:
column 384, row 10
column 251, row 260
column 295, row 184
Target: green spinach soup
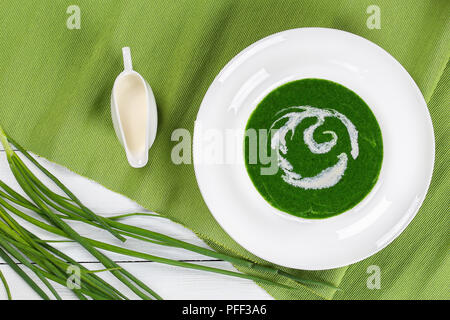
column 313, row 148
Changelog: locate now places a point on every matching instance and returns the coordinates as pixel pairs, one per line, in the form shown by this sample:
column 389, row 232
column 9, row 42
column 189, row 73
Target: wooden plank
column 3, row 149
column 106, row 203
column 169, row 282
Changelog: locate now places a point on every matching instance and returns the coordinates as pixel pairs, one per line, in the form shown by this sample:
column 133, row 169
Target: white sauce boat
column 134, row 113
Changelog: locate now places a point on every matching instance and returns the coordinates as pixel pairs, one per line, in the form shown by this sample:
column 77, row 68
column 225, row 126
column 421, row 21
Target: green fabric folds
column 55, row 86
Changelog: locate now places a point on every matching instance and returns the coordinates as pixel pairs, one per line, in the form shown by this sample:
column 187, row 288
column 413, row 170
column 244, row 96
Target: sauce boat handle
column 127, row 64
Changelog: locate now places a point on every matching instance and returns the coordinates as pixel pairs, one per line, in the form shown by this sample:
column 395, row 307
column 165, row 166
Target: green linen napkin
column 55, row 86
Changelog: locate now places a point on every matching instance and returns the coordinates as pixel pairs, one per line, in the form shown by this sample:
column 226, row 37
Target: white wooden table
column 169, row 282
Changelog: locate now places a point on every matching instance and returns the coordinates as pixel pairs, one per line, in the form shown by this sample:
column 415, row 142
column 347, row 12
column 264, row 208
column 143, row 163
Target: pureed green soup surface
column 325, row 142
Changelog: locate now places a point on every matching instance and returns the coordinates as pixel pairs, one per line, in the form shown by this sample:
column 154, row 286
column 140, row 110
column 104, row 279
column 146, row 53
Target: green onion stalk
column 21, row 249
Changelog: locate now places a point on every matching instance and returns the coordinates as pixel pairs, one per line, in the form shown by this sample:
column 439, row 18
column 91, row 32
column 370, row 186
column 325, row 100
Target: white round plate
column 408, row 140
